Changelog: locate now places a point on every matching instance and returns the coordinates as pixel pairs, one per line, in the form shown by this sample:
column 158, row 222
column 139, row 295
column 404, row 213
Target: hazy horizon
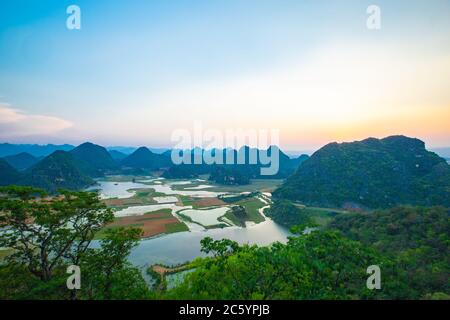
column 442, row 151
column 138, row 70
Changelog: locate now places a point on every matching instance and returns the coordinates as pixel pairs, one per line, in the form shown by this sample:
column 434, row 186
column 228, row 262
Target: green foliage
column 410, row 245
column 237, row 215
column 218, row 248
column 49, row 234
column 235, row 198
column 143, row 158
column 237, row 168
column 43, row 232
column 230, row 175
column 416, row 238
column 21, row 161
column 246, row 209
column 252, row 206
column 17, row 282
column 57, row 171
column 317, row 266
column 286, row 213
column 93, row 160
column 371, row 173
column 106, row 272
column 8, row 175
column 176, row 227
column 181, row 172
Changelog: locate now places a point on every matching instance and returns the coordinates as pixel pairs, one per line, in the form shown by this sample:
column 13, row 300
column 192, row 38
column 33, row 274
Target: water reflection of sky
column 184, row 246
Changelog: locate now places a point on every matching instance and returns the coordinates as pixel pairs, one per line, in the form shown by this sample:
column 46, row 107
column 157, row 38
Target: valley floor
column 159, row 206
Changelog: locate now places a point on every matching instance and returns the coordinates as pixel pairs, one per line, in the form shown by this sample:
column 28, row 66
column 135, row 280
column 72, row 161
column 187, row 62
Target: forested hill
column 409, row 244
column 88, row 160
column 58, row 170
column 415, row 237
column 21, row 161
column 143, row 158
column 93, row 160
column 8, row 175
column 371, row 173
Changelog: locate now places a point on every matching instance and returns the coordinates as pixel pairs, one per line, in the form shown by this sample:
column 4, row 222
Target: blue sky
column 137, row 70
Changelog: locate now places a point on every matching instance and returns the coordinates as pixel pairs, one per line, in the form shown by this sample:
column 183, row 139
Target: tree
column 416, row 238
column 321, row 265
column 106, row 272
column 46, row 232
column 219, row 248
column 286, row 213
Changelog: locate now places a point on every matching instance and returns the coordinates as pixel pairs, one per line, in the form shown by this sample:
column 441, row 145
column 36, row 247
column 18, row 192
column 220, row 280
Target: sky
column 137, row 71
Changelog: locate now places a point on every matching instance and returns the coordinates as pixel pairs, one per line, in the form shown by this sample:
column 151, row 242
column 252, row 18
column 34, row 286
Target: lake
column 180, row 247
column 184, row 246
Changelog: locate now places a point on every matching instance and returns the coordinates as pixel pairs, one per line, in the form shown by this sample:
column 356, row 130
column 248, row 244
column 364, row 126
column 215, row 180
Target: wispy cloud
column 15, row 123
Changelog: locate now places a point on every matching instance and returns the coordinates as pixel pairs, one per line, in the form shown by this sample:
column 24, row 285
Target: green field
column 184, row 186
column 5, row 253
column 160, row 211
column 321, row 216
column 176, row 227
column 263, row 185
column 251, row 205
column 187, row 201
column 143, row 196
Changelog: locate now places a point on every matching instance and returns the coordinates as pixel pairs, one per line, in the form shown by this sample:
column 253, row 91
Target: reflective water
column 206, row 217
column 167, row 189
column 185, row 246
column 110, row 189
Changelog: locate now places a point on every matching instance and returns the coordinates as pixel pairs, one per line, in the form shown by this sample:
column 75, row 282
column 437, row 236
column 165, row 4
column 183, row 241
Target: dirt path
column 161, row 270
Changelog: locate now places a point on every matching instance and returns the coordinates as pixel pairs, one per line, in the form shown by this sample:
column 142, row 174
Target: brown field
column 149, row 227
column 209, row 202
column 123, row 202
column 199, row 202
column 151, row 224
column 162, row 270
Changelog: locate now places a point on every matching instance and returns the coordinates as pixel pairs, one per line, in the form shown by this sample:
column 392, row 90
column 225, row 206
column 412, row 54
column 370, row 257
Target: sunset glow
column 133, row 75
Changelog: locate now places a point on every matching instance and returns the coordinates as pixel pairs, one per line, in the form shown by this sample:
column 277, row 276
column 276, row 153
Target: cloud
column 15, row 123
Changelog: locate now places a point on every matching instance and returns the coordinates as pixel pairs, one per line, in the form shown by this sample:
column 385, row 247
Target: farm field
column 152, row 224
column 179, row 205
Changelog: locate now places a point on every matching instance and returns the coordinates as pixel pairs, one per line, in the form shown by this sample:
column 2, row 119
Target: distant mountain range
column 117, row 155
column 234, row 173
column 36, row 150
column 443, row 152
column 371, row 173
column 130, row 150
column 76, row 167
